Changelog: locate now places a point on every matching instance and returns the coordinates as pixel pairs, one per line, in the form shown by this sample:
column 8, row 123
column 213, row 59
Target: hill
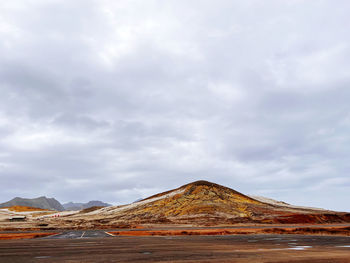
column 40, row 202
column 81, row 206
column 206, row 203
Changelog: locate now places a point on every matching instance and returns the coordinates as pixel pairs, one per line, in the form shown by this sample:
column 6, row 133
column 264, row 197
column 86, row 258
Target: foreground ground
column 97, row 246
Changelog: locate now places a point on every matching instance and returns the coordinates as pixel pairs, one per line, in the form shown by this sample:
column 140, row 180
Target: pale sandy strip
column 110, row 234
column 54, row 235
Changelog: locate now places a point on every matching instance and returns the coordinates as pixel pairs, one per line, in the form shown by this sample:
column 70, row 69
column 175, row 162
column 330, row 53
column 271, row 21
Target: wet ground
column 97, row 246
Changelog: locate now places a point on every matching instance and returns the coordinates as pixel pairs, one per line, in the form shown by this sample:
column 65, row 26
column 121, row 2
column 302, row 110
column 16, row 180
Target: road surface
column 73, row 246
column 80, row 234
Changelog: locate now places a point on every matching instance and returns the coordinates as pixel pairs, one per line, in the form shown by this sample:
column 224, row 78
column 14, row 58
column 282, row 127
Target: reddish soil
column 312, row 218
column 19, row 208
column 345, row 231
column 8, row 236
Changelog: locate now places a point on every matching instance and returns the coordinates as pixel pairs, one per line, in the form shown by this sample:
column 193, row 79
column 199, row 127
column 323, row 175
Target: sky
column 118, row 100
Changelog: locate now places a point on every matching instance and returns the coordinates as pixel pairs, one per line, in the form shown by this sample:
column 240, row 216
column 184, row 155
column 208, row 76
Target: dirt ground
column 175, row 230
column 6, row 236
column 234, row 248
column 304, row 230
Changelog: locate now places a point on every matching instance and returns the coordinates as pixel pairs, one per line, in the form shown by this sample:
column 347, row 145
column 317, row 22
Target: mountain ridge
column 42, row 202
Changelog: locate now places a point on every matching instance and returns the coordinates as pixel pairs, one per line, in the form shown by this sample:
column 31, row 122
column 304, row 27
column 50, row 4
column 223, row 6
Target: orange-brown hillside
column 18, row 208
column 206, row 203
column 200, row 198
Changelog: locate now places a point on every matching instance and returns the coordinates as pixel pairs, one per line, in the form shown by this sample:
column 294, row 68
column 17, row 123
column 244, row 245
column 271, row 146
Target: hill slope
column 40, row 202
column 81, row 206
column 207, row 203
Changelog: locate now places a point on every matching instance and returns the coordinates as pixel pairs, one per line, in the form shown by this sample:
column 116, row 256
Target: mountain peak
column 39, row 202
column 201, row 182
column 206, row 183
column 190, row 187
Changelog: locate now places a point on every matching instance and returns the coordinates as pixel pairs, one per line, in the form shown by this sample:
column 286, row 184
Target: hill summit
column 207, row 203
column 200, row 197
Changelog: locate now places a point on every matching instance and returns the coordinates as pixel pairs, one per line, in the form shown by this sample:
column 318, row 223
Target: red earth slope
column 206, row 203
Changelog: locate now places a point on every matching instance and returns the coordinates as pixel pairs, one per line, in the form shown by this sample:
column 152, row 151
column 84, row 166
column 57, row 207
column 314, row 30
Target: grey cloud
column 120, row 100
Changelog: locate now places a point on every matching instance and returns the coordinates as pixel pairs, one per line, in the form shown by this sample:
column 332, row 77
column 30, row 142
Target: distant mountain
column 80, row 206
column 40, row 202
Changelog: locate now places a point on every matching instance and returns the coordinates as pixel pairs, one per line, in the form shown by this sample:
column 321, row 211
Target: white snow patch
column 59, row 214
column 5, row 211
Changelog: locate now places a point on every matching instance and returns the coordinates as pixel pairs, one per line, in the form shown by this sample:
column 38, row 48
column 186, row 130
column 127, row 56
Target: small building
column 17, row 218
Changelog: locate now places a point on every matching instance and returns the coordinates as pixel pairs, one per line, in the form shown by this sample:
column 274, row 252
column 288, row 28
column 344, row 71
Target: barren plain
column 198, row 222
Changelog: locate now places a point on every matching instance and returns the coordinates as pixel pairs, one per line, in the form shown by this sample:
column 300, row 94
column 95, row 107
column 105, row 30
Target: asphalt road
column 239, row 249
column 80, row 234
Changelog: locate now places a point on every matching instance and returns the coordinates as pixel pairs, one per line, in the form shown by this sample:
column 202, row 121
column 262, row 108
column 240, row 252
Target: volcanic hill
column 206, row 203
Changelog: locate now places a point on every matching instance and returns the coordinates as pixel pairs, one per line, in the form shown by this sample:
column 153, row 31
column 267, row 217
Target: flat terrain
column 79, row 234
column 24, row 235
column 73, row 246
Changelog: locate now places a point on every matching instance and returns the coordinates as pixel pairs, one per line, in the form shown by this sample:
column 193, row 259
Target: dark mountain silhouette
column 40, row 202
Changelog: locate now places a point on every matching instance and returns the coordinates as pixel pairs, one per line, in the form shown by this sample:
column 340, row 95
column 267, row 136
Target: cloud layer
column 117, row 100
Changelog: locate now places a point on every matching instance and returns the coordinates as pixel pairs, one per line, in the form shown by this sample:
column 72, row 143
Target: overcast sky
column 118, row 100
